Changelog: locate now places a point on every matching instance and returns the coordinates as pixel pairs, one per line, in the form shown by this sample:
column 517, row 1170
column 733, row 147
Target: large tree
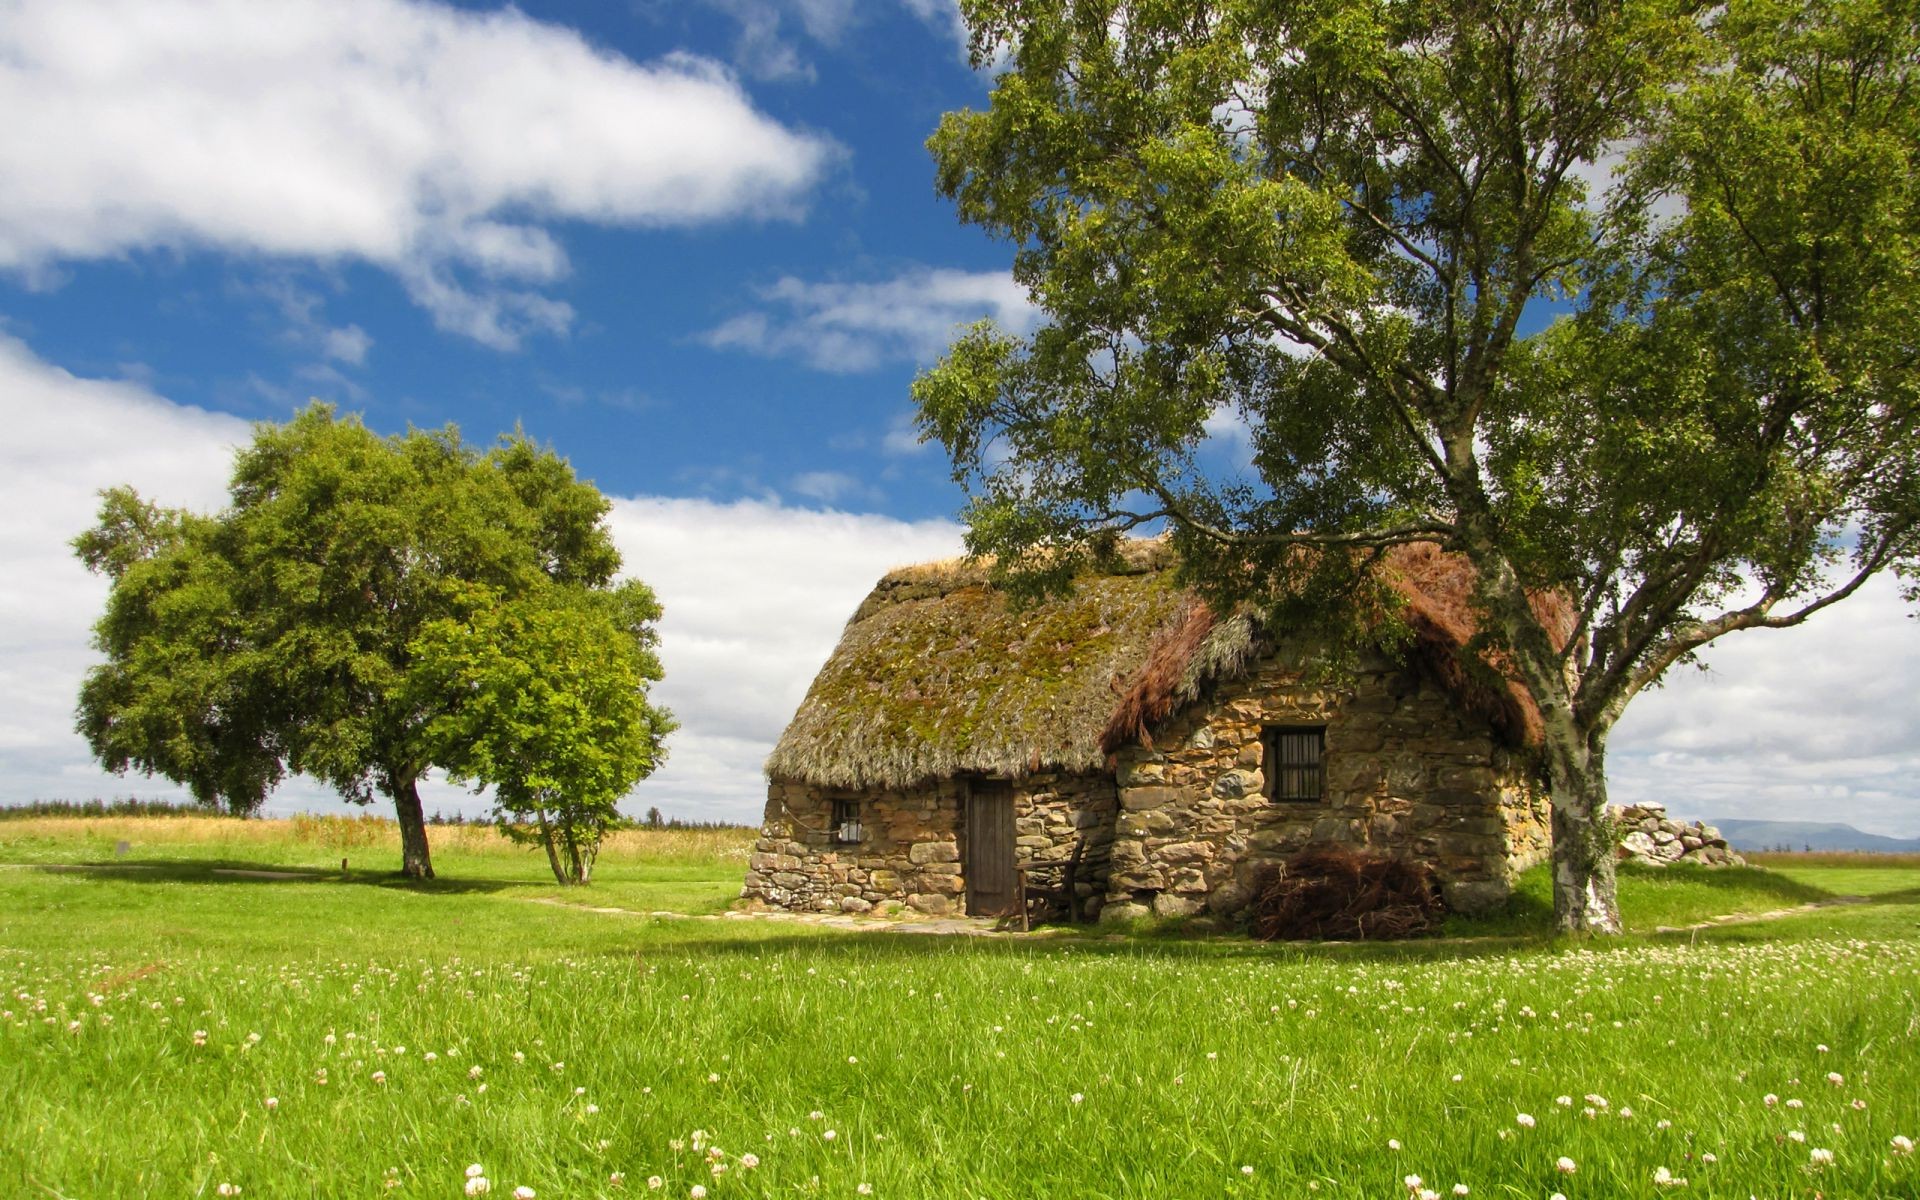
column 278, row 634
column 1621, row 301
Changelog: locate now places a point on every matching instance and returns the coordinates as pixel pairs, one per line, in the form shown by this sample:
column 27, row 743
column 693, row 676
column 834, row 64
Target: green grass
column 945, row 1067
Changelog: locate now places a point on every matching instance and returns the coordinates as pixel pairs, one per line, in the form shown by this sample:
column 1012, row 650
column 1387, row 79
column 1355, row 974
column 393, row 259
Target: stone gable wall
column 1406, row 773
column 910, row 855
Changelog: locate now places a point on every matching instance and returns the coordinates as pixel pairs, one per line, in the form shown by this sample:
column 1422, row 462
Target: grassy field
column 170, row 1027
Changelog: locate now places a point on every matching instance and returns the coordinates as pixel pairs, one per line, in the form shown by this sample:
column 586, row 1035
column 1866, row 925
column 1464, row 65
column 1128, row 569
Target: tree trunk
column 415, row 860
column 589, row 850
column 1584, row 896
column 553, row 852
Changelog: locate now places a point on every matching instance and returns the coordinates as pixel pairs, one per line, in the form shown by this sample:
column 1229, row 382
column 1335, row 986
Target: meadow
column 173, row 1026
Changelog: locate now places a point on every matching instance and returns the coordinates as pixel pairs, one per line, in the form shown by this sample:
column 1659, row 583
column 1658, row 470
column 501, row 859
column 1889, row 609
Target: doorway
column 989, row 851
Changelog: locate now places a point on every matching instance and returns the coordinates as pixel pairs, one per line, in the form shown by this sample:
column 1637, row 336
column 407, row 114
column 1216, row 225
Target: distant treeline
column 130, row 806
column 125, row 806
column 654, row 819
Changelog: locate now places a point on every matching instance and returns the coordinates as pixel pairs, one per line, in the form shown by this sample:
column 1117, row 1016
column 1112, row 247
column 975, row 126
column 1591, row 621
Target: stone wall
column 1052, row 811
column 1649, row 836
column 910, row 855
column 1406, row 773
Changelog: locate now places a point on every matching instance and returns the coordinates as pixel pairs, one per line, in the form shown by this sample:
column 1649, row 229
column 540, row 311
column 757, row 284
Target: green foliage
column 277, row 635
column 551, row 710
column 1327, row 222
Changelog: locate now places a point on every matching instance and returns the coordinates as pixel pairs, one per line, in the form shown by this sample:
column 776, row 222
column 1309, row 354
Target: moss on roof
column 937, row 674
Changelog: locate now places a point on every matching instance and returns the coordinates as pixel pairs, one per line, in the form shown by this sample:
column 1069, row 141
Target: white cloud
column 433, row 142
column 829, row 487
column 903, row 438
column 756, row 595
column 1229, row 435
column 850, row 327
column 348, row 344
column 1813, row 723
column 306, row 325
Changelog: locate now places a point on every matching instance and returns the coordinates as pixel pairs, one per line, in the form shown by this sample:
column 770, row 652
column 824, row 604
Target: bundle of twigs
column 1337, row 893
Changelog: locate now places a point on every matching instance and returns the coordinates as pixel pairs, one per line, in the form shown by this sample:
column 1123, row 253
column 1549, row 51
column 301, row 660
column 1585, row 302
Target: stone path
column 1773, row 915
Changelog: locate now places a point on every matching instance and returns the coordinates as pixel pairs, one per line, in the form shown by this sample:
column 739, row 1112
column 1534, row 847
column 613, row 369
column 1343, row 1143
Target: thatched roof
column 1188, row 656
column 937, row 674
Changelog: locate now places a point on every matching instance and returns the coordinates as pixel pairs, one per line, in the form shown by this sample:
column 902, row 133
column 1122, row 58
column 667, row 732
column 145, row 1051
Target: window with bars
column 1295, row 762
column 846, row 820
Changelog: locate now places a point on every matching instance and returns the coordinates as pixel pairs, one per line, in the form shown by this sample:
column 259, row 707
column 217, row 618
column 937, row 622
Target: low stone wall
column 1649, row 836
column 1406, row 773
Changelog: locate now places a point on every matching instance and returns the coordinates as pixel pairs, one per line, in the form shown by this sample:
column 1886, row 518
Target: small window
column 1295, row 762
column 846, row 820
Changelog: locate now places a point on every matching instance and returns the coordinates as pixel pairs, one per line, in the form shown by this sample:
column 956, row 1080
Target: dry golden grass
column 197, row 830
column 1829, row 858
column 366, row 833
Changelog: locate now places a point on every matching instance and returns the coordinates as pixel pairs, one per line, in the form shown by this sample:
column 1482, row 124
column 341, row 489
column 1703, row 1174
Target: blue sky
column 695, row 246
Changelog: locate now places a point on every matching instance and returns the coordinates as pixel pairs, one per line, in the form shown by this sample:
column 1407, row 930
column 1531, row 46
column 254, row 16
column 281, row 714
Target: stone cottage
column 952, row 738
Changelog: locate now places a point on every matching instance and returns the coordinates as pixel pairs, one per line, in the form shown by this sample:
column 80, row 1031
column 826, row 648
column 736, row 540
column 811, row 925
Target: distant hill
column 1797, row 835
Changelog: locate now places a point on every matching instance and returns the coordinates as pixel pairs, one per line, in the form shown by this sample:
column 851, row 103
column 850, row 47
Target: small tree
column 548, row 706
column 276, row 635
column 1328, row 222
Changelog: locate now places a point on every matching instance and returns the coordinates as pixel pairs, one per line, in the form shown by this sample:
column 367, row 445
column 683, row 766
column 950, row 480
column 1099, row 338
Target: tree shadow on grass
column 264, row 874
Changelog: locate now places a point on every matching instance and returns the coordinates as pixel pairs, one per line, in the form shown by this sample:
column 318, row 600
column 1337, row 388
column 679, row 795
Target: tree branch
column 1690, row 636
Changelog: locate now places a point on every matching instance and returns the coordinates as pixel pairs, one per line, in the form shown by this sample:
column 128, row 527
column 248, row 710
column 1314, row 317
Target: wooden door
column 989, row 857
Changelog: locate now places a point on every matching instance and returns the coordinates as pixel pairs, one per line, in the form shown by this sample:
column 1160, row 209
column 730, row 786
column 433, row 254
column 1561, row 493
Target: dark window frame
column 845, row 811
column 1293, row 762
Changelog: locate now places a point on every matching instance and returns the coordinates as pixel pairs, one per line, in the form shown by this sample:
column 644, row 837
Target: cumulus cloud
column 437, row 143
column 852, row 327
column 1811, row 723
column 756, row 595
